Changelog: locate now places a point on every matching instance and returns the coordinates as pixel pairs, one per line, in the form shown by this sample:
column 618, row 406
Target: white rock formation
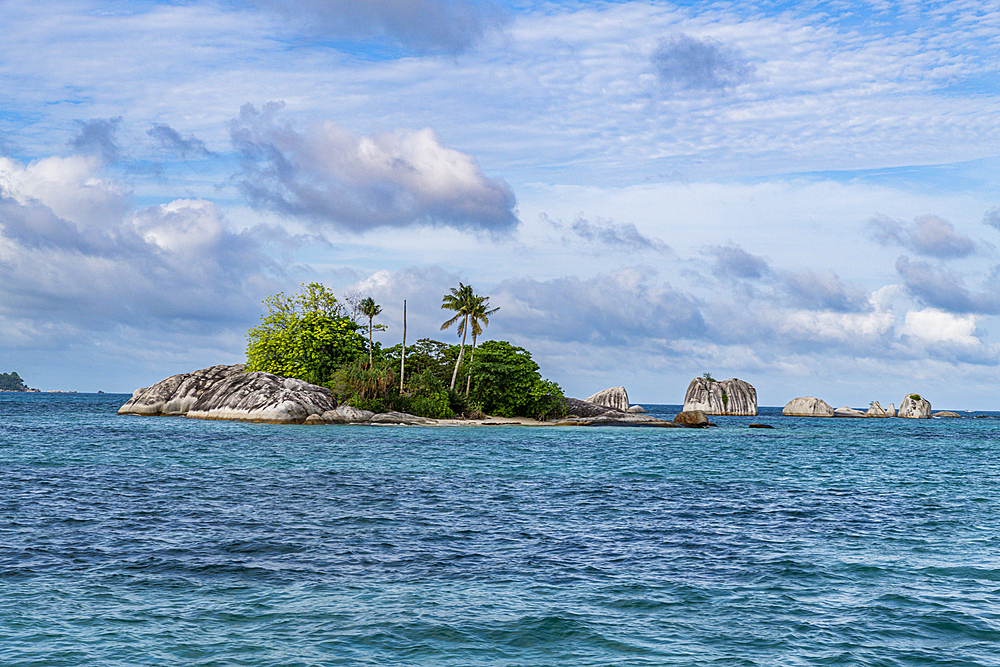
column 263, row 397
column 915, row 407
column 848, row 412
column 726, row 397
column 807, row 406
column 877, row 410
column 175, row 395
column 616, row 398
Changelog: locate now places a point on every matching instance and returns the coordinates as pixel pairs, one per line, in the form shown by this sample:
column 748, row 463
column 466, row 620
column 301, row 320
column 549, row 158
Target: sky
column 802, row 195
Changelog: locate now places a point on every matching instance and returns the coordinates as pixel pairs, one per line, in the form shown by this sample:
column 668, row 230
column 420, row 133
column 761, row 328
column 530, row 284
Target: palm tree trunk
column 472, row 358
column 402, row 355
column 371, row 346
column 461, row 352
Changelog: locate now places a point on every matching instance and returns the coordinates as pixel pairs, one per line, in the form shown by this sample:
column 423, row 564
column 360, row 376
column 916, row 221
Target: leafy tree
column 369, row 309
column 508, row 383
column 306, row 336
column 462, row 300
column 426, row 355
column 11, row 382
column 479, row 316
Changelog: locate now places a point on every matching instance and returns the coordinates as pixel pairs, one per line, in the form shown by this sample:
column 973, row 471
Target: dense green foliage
column 306, row 336
column 11, row 382
column 506, row 383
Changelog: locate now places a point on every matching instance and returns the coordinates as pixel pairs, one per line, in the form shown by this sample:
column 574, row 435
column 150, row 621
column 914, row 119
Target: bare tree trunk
column 402, row 355
column 461, row 353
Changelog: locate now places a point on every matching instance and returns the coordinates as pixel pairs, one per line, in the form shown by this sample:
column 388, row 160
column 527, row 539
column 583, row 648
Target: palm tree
column 462, row 300
column 480, row 312
column 370, row 309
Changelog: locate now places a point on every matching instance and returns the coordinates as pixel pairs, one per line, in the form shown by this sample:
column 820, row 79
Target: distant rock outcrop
column 725, row 397
column 915, row 407
column 616, row 398
column 636, row 410
column 947, row 413
column 807, row 406
column 878, row 411
column 848, row 412
column 175, row 395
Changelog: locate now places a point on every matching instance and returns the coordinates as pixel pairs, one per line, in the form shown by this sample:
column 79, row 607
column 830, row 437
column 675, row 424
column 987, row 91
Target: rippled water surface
column 165, row 541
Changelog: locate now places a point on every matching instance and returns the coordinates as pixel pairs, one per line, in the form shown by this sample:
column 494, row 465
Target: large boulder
column 176, row 395
column 915, row 406
column 846, row 411
column 693, row 418
column 578, row 408
column 807, row 406
column 616, row 398
column 877, row 410
column 725, row 397
column 263, row 397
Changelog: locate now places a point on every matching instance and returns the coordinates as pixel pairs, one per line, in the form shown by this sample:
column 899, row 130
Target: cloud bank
column 334, row 178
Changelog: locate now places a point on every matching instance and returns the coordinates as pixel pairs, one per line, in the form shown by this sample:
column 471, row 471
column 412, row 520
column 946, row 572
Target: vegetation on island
column 313, row 337
column 12, row 382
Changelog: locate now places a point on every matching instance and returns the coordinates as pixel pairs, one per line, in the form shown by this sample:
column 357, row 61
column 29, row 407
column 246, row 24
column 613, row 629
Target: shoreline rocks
column 732, row 397
column 616, row 398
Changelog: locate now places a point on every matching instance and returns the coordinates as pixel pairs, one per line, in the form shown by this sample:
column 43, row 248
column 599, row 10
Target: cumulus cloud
column 613, row 309
column 944, row 289
column 398, row 179
column 449, row 26
column 75, row 251
column 732, row 261
column 929, row 235
column 992, row 218
column 826, row 291
column 97, row 137
column 604, row 235
column 171, row 139
column 701, row 64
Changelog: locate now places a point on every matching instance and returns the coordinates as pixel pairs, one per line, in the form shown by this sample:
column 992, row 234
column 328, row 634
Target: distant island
column 13, row 382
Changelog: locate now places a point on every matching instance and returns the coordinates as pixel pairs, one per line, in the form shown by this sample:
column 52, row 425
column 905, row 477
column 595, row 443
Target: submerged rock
column 807, row 406
column 947, row 413
column 915, row 407
column 176, row 395
column 725, row 397
column 616, row 398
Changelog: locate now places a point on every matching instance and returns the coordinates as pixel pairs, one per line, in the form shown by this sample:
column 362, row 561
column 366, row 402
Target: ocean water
column 165, row 541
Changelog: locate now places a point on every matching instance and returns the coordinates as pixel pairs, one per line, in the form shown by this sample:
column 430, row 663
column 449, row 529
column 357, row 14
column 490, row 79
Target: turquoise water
column 163, row 541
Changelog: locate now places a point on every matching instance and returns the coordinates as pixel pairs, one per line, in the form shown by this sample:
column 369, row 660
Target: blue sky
column 801, row 195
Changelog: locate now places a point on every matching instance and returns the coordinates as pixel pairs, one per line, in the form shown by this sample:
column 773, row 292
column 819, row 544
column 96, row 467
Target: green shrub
column 915, row 397
column 506, row 383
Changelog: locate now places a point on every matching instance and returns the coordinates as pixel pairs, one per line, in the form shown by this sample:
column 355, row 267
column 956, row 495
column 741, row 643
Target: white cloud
column 931, row 325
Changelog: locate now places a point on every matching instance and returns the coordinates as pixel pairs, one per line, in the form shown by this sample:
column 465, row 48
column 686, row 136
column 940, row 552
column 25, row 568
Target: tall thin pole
column 402, row 356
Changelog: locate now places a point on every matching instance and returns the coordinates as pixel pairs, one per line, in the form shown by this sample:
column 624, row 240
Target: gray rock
column 616, row 398
column 848, row 412
column 578, row 408
column 636, row 410
column 877, row 410
column 693, row 418
column 263, row 397
column 807, row 406
column 616, row 418
column 947, row 413
column 399, row 418
column 915, row 407
column 176, row 395
column 352, row 415
column 725, row 397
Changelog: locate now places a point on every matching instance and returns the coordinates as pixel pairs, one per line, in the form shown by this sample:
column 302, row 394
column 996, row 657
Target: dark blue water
column 164, row 541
